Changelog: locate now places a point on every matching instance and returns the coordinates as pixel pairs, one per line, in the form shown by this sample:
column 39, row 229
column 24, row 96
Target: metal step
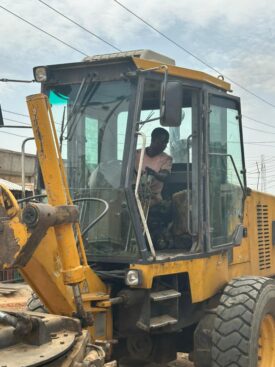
column 161, row 321
column 164, row 295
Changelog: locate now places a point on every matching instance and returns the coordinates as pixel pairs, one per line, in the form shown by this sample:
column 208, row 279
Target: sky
column 236, row 38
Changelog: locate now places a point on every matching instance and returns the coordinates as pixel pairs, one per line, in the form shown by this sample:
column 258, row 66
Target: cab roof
column 146, row 59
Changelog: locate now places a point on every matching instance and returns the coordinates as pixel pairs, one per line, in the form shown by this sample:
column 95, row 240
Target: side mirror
column 1, row 118
column 171, row 105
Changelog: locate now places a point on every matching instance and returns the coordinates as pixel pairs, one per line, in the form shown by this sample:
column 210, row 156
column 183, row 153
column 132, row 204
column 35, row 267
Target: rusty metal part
column 61, row 340
column 37, row 218
column 110, row 302
column 85, row 317
column 62, row 343
column 32, row 329
column 95, row 358
column 6, row 290
column 7, row 319
column 35, row 214
column 8, row 245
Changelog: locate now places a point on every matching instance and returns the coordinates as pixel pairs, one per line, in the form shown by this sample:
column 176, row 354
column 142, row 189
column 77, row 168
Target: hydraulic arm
column 44, row 240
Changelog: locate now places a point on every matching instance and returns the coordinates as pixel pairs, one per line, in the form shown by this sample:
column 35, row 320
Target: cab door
column 226, row 172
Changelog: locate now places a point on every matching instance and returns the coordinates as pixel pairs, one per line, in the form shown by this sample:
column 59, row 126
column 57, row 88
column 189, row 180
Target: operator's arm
column 164, row 171
column 160, row 176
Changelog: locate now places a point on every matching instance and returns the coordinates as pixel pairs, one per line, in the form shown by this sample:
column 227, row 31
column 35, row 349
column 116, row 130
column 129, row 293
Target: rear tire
column 244, row 328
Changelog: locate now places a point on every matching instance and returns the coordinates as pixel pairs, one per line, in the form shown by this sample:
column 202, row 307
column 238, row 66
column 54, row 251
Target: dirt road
column 14, row 296
column 182, row 361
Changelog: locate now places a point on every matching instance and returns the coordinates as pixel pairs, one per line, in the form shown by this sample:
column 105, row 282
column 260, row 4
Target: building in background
column 11, row 168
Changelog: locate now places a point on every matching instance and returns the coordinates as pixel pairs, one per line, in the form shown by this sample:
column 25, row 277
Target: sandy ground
column 182, row 361
column 17, row 302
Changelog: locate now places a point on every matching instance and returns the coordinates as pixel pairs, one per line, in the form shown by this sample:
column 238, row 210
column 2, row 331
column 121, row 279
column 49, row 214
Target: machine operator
column 156, row 163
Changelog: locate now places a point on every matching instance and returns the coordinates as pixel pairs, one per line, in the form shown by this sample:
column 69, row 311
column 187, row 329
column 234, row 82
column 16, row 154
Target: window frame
column 236, row 100
column 198, row 154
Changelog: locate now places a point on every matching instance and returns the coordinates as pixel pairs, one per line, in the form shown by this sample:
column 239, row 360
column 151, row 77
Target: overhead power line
column 259, row 142
column 192, row 54
column 20, row 114
column 246, row 117
column 20, row 136
column 80, row 26
column 261, row 131
column 19, row 122
column 259, row 122
column 15, row 113
column 43, row 31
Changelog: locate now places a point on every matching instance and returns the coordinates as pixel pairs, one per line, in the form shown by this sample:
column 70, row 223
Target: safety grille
column 264, row 243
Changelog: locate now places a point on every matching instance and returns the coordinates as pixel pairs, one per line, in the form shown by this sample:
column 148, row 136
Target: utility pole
column 263, row 173
column 259, row 175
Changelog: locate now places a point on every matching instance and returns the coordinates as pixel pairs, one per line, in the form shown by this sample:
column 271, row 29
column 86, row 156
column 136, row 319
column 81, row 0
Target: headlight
column 133, row 277
column 40, row 74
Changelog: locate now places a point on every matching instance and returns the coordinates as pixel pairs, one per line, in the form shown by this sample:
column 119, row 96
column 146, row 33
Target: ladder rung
column 164, row 295
column 161, row 321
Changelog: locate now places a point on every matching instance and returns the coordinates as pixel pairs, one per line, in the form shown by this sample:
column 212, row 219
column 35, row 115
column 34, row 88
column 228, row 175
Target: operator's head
column 159, row 140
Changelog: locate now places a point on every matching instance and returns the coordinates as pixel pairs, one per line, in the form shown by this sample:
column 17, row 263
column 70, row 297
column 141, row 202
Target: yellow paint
column 55, row 182
column 183, row 73
column 266, row 340
column 20, row 231
column 8, row 201
column 258, row 259
column 209, row 275
column 206, row 275
column 96, row 296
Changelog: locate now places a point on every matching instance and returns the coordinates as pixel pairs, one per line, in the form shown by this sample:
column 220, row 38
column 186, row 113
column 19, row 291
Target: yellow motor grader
column 117, row 287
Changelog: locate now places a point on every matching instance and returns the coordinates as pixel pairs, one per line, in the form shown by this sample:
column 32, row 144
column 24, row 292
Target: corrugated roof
column 12, row 186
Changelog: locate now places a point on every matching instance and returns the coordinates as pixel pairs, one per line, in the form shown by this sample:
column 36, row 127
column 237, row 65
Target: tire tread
column 232, row 327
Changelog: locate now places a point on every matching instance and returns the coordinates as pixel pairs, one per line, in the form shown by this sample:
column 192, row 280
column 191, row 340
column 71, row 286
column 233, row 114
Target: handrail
column 188, row 187
column 234, row 166
column 140, row 209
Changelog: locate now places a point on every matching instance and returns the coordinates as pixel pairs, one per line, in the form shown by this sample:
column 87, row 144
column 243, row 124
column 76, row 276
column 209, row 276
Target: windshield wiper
column 87, row 96
column 78, row 102
column 61, row 137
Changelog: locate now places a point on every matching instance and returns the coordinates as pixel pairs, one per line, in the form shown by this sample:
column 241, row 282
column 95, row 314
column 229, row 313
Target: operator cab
column 105, row 109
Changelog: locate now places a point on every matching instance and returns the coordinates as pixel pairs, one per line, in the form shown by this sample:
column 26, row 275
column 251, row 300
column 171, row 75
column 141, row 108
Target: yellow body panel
column 183, row 73
column 255, row 255
column 202, row 274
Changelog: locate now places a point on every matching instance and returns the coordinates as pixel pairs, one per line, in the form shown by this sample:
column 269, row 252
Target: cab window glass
column 226, row 194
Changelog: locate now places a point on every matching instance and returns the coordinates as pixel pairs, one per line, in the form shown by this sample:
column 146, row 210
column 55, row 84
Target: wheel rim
column 266, row 342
